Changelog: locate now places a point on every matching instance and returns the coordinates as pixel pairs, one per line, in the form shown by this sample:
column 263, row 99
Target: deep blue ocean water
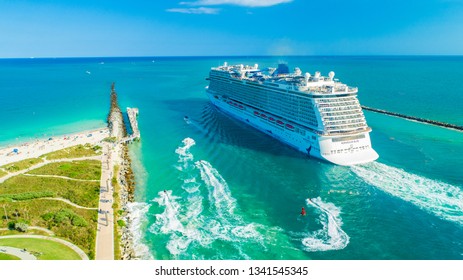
column 235, row 193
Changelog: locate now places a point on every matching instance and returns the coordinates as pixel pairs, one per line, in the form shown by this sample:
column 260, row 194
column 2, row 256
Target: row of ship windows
column 345, row 122
column 343, row 113
column 358, row 116
column 340, row 99
column 335, row 104
column 289, row 109
column 340, row 151
column 263, row 92
column 292, row 111
column 340, row 109
column 345, row 126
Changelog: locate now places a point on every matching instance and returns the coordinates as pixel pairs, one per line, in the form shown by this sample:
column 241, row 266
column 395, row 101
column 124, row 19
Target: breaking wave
column 137, row 216
column 330, row 236
column 438, row 198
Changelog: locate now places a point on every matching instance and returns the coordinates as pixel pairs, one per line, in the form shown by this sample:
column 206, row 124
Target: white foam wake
column 331, row 236
column 438, row 198
column 137, row 215
column 184, row 154
column 184, row 220
column 178, row 225
column 226, row 225
column 219, row 193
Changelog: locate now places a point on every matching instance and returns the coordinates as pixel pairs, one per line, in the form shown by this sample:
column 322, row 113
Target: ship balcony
column 345, row 127
column 345, row 117
column 347, row 121
column 342, row 113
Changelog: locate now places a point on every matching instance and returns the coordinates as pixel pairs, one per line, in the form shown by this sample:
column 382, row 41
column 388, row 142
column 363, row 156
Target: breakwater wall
column 436, row 123
column 125, row 177
column 116, row 123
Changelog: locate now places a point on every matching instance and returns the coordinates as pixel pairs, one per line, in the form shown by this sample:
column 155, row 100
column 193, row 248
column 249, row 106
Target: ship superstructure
column 318, row 115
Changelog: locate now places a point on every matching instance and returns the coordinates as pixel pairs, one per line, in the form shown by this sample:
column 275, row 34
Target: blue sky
column 52, row 28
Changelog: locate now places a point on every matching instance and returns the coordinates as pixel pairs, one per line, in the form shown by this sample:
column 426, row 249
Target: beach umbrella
column 15, row 150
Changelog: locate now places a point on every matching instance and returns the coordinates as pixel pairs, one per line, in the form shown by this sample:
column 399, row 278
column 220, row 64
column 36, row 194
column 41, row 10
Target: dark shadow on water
column 219, row 127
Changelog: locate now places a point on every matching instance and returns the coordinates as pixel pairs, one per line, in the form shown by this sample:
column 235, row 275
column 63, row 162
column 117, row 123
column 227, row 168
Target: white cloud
column 200, row 10
column 245, row 3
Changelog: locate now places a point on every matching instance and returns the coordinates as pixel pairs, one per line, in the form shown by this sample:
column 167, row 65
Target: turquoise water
column 234, row 193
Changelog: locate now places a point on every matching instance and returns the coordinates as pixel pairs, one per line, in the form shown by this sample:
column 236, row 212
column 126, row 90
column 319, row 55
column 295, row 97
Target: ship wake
column 438, row 198
column 330, row 236
column 203, row 213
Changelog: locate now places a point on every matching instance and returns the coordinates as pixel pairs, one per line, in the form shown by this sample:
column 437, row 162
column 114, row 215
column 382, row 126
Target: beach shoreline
column 41, row 146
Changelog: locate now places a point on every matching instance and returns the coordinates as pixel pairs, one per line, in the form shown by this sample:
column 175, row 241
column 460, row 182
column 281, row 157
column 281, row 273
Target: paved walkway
column 64, row 242
column 69, row 202
column 20, row 253
column 105, row 228
column 45, row 162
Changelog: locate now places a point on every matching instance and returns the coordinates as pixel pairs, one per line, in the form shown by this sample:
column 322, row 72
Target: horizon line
column 214, row 56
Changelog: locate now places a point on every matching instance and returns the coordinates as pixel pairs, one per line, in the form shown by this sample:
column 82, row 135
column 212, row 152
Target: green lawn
column 4, row 257
column 86, row 150
column 2, row 173
column 85, row 169
column 42, row 249
column 53, row 215
column 80, row 192
column 20, row 165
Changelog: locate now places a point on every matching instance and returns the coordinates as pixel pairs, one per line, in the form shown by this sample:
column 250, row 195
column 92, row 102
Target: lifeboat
column 263, row 116
column 241, row 107
column 280, row 122
column 288, row 126
column 256, row 113
column 271, row 119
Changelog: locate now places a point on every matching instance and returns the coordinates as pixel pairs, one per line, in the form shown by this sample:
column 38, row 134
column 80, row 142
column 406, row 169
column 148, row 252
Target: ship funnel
column 225, row 64
column 317, row 74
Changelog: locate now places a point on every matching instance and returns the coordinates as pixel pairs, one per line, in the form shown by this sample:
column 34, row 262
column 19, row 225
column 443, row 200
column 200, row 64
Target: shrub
column 78, row 221
column 66, row 216
column 121, row 223
column 11, row 225
column 47, row 216
column 21, row 227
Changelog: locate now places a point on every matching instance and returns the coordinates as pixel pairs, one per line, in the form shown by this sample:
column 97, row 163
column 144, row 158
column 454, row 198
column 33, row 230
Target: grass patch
column 42, row 249
column 82, row 193
column 84, row 170
column 73, row 224
column 5, row 257
column 21, row 165
column 2, row 173
column 25, row 196
column 78, row 151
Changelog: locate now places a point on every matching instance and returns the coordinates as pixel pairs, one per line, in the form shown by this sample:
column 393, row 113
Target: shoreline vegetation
column 53, row 187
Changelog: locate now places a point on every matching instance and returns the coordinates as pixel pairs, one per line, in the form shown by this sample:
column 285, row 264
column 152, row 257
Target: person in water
column 303, row 211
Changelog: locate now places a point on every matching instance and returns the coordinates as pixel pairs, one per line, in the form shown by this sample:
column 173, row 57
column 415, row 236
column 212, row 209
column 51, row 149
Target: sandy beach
column 36, row 148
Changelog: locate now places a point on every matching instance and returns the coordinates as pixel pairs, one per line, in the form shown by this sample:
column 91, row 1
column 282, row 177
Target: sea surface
column 210, row 187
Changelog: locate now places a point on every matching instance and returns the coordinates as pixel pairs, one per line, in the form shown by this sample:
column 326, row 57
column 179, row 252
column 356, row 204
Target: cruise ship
column 317, row 115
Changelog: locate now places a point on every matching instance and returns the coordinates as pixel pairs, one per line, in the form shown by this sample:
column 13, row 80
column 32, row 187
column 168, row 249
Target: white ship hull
column 338, row 150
